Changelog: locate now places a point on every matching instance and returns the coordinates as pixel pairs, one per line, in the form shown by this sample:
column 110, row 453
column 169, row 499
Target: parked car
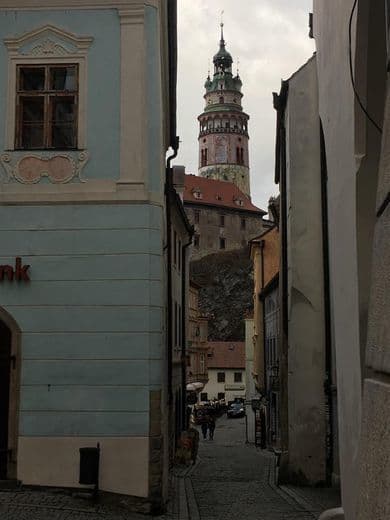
column 236, row 410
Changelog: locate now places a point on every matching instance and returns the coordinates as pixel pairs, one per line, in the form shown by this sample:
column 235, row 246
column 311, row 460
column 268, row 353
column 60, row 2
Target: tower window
column 203, row 157
column 222, row 243
column 221, row 100
column 243, row 223
column 197, row 241
column 240, row 155
column 222, row 220
column 196, row 216
column 227, row 125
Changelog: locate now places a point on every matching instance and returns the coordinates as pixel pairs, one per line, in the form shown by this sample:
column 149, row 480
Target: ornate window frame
column 47, row 45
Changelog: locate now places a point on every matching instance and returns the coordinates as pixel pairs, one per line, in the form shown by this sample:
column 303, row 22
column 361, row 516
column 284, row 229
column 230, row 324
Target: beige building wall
column 265, row 254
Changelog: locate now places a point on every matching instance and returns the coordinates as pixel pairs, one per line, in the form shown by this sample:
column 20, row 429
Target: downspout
column 262, row 244
column 328, row 386
column 184, row 334
column 168, row 191
column 280, row 102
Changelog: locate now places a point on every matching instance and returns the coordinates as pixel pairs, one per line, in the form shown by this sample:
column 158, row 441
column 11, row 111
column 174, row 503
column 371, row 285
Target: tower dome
column 223, row 133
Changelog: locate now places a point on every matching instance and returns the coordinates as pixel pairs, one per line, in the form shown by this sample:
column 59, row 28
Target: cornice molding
column 14, row 5
column 132, row 15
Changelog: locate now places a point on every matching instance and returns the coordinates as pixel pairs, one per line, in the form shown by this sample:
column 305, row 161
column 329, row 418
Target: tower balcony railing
column 221, row 130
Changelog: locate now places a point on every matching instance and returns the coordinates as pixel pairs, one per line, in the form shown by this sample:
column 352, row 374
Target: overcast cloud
column 270, row 40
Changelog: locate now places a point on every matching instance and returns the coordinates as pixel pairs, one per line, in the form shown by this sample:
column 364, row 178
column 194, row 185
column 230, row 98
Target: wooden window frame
column 221, row 377
column 48, row 95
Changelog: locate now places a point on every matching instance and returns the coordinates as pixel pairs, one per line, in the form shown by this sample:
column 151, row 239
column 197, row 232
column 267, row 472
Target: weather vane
column 222, row 12
column 238, row 66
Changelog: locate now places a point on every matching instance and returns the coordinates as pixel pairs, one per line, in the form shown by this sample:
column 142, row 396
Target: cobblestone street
column 234, row 480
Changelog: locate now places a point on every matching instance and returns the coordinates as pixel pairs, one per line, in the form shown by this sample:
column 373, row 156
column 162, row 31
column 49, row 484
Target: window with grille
column 46, row 107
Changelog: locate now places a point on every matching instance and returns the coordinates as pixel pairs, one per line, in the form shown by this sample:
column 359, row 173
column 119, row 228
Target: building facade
column 226, row 371
column 197, row 346
column 355, row 134
column 223, row 217
column 83, row 313
column 264, row 252
column 350, row 86
column 270, row 301
column 223, row 126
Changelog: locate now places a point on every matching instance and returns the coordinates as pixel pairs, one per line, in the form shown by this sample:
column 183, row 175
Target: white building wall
column 230, row 388
column 336, row 108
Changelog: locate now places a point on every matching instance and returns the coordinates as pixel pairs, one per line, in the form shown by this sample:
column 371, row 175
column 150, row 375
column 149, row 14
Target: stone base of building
column 374, row 496
column 333, row 514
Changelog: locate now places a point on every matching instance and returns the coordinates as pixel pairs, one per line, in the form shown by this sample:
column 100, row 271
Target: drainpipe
column 168, row 191
column 184, row 333
column 328, row 387
column 262, row 244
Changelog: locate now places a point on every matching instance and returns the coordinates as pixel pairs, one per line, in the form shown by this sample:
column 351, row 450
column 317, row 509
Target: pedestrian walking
column 211, row 426
column 204, row 425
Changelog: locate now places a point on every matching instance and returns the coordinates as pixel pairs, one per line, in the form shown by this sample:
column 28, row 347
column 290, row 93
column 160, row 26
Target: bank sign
column 19, row 272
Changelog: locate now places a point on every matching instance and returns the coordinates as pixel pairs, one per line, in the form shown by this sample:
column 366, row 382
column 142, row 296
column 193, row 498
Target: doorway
column 9, row 396
column 5, row 379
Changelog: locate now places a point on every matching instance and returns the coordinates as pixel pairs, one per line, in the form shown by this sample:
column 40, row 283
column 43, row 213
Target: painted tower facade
column 223, row 132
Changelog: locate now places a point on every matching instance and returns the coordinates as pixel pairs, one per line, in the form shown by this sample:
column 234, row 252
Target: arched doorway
column 9, row 394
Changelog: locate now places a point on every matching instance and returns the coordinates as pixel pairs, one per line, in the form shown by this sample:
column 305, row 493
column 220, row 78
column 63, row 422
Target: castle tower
column 223, row 133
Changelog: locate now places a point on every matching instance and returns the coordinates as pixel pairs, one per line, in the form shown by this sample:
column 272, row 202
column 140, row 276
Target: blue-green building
column 87, row 97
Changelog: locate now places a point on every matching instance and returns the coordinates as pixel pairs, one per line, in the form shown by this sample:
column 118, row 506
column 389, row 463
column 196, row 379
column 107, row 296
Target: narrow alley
column 234, row 480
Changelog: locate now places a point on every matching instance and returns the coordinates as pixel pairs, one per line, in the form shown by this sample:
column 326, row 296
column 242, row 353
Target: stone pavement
column 234, row 480
column 38, row 505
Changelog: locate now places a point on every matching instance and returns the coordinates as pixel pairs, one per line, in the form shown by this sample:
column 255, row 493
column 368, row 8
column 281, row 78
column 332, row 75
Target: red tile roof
column 226, row 354
column 217, row 193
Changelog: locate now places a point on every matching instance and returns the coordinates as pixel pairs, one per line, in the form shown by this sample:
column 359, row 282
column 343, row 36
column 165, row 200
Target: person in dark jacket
column 211, row 426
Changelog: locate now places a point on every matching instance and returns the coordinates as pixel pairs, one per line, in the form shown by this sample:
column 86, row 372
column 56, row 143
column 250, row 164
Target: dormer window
column 197, row 193
column 218, row 197
column 239, row 202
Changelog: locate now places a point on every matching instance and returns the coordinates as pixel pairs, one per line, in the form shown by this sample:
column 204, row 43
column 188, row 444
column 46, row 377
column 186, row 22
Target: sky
column 269, row 39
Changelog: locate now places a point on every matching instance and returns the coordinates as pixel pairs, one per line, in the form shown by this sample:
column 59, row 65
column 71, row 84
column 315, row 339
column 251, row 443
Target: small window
column 221, row 377
column 243, row 223
column 197, row 241
column 46, row 107
column 203, row 396
column 222, row 243
column 196, row 216
column 221, row 100
column 222, row 220
column 221, row 395
column 238, row 377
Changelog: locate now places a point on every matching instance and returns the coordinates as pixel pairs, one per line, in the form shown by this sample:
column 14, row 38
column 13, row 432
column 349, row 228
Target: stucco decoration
column 48, row 41
column 57, row 168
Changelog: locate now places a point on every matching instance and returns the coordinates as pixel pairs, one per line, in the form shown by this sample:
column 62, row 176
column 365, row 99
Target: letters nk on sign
column 19, row 272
